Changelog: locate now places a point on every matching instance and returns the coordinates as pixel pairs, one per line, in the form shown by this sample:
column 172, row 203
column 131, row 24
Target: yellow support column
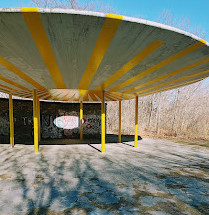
column 119, row 126
column 35, row 120
column 39, row 122
column 81, row 120
column 136, row 122
column 103, row 122
column 11, row 121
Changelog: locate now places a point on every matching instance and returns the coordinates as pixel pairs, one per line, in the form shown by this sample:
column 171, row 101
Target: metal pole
column 136, row 122
column 39, row 121
column 11, row 121
column 103, row 122
column 119, row 126
column 35, row 120
column 81, row 120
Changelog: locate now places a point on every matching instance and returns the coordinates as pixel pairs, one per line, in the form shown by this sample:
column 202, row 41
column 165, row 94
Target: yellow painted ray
column 43, row 95
column 12, row 83
column 174, row 81
column 36, row 28
column 172, row 87
column 131, row 64
column 18, row 72
column 25, row 93
column 110, row 27
column 168, row 75
column 47, row 97
column 9, row 88
column 4, row 90
column 163, row 63
column 93, row 96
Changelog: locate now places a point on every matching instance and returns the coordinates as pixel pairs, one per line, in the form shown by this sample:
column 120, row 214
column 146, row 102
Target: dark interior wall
column 58, row 120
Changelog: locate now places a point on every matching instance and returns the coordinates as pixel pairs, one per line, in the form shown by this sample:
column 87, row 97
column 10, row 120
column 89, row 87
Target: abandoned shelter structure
column 81, row 56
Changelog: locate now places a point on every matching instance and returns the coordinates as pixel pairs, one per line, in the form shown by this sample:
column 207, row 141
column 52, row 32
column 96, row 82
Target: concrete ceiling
column 70, row 55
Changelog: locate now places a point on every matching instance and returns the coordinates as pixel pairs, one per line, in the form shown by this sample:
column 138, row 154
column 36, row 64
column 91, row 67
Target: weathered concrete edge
column 100, row 14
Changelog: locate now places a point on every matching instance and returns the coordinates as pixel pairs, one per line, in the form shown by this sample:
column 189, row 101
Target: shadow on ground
column 110, row 138
column 155, row 178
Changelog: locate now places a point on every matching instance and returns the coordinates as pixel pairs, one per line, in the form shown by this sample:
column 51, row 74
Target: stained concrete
column 73, row 35
column 58, row 120
column 159, row 177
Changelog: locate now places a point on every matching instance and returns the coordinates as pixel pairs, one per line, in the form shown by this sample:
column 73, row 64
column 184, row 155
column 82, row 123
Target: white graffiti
column 67, row 122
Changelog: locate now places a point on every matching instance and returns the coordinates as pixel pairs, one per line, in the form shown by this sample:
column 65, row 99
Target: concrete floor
column 158, row 178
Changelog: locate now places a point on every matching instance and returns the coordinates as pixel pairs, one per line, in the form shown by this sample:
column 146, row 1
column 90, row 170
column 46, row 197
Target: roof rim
column 100, row 14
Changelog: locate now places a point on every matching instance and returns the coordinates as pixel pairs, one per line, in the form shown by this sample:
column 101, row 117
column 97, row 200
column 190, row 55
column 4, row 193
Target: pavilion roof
column 71, row 55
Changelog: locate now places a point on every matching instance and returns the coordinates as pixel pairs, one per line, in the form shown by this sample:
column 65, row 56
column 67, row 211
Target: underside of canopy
column 70, row 55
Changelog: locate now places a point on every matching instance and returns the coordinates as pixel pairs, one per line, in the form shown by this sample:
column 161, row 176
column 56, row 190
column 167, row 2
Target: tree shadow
column 79, row 182
column 86, row 191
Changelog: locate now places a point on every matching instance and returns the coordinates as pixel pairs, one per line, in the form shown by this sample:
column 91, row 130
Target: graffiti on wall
column 92, row 123
column 56, row 126
column 67, row 122
column 57, row 121
column 4, row 125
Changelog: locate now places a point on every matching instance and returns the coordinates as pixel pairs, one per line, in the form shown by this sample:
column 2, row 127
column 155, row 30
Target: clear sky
column 197, row 11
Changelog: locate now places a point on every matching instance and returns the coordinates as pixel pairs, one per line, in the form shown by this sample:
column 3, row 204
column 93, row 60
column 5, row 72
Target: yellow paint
column 119, row 126
column 34, row 23
column 11, row 121
column 107, row 33
column 22, row 95
column 44, row 95
column 114, row 16
column 136, row 123
column 119, row 96
column 9, row 88
column 111, row 97
column 172, row 87
column 12, row 83
column 81, row 120
column 163, row 63
column 69, row 96
column 4, row 90
column 168, row 75
column 83, row 94
column 93, row 96
column 35, row 120
column 39, row 120
column 103, row 122
column 29, row 9
column 171, row 82
column 203, row 41
column 132, row 63
column 21, row 74
column 108, row 96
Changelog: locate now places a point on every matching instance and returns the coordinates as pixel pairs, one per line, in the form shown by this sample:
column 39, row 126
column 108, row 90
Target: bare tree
column 167, row 18
column 90, row 5
column 182, row 112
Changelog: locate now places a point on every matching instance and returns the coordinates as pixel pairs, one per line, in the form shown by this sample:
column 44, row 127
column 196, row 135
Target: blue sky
column 195, row 10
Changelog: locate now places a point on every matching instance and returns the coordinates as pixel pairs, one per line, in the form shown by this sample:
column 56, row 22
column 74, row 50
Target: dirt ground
column 159, row 177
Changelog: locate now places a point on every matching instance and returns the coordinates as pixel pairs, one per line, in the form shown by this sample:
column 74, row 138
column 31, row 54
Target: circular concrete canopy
column 71, row 55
